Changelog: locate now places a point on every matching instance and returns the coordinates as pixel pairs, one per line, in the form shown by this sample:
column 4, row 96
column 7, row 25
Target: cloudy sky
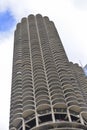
column 70, row 18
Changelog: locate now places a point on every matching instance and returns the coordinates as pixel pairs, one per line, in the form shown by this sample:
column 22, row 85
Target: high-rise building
column 48, row 92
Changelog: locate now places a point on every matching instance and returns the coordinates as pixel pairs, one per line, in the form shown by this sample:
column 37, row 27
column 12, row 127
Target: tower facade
column 48, row 92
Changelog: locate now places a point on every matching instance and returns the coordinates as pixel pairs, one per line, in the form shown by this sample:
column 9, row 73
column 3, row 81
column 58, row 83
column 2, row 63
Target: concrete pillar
column 69, row 115
column 81, row 119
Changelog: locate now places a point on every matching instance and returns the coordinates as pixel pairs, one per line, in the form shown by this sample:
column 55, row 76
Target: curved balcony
column 76, row 88
column 17, row 81
column 17, row 101
column 17, row 93
column 74, row 102
column 18, row 97
column 47, row 60
column 56, row 88
column 41, row 93
column 70, row 94
column 27, row 89
column 52, row 75
column 40, row 82
column 26, row 65
column 36, row 75
column 83, row 104
column 50, row 70
column 59, row 105
column 27, row 93
column 58, row 101
column 40, row 97
column 56, row 92
column 17, row 85
column 28, row 110
column 68, row 90
column 51, row 85
column 41, row 88
column 17, row 110
column 17, row 119
column 42, row 102
column 81, row 99
column 26, row 79
column 14, row 90
column 39, row 78
column 67, row 86
column 64, row 82
column 26, row 83
column 78, row 93
column 57, row 95
column 27, row 100
column 44, row 112
column 17, row 106
column 37, row 62
column 38, row 67
column 63, row 76
column 84, row 109
column 28, row 107
column 84, row 117
column 28, row 97
column 26, row 68
column 43, row 107
column 54, row 80
column 61, row 71
column 40, row 72
column 75, row 110
column 71, row 98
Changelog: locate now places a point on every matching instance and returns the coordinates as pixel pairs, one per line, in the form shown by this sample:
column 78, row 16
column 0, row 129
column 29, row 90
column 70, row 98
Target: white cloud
column 80, row 4
column 5, row 80
column 22, row 8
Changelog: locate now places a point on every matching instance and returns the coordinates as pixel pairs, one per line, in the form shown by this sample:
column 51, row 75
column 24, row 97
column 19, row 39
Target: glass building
column 85, row 70
column 48, row 92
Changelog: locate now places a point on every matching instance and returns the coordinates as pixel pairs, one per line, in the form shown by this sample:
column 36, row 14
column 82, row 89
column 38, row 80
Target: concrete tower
column 48, row 92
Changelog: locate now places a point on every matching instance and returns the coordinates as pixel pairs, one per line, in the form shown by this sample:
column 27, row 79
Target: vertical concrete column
column 81, row 119
column 69, row 115
column 23, row 124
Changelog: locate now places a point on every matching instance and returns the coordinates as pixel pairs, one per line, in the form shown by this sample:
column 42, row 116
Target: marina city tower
column 48, row 92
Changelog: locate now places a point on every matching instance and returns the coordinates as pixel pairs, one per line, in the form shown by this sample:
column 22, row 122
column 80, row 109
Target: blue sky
column 70, row 18
column 7, row 21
